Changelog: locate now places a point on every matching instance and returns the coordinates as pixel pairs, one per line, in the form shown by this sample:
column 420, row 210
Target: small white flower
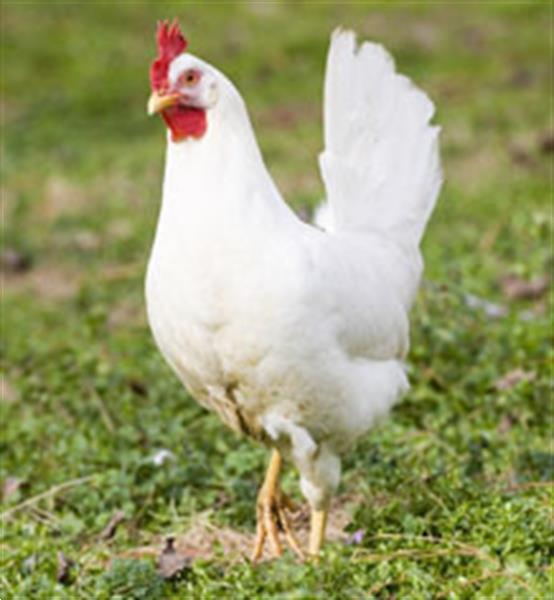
column 161, row 456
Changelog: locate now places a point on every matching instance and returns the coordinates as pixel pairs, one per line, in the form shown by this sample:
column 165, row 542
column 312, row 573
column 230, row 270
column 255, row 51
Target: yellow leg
column 317, row 531
column 271, row 515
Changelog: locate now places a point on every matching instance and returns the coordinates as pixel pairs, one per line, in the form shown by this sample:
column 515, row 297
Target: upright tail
column 381, row 165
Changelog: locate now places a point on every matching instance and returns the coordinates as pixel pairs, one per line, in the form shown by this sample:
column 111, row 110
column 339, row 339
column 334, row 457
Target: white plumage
column 294, row 335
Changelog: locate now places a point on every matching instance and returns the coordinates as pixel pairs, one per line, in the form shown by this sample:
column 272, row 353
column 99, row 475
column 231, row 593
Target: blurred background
column 85, row 393
column 83, row 161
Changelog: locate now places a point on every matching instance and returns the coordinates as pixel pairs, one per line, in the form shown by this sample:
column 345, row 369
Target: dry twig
column 53, row 491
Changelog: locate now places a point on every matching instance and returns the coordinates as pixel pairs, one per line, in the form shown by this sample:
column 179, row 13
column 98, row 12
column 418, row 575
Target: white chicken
column 294, row 335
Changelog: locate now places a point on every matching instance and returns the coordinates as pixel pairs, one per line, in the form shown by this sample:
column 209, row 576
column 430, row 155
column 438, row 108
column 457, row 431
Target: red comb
column 171, row 43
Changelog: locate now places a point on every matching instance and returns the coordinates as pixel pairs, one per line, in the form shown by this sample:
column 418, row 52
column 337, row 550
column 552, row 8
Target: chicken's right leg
column 271, row 513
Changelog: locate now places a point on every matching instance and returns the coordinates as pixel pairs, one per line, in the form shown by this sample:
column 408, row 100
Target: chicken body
column 293, row 335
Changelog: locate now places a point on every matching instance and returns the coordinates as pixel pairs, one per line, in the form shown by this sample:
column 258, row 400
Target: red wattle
column 185, row 121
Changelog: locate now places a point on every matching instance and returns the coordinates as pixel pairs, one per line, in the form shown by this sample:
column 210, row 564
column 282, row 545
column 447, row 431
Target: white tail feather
column 381, row 165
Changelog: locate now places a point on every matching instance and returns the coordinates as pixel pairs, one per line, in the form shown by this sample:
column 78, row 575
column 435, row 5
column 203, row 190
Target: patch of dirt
column 521, row 157
column 126, row 313
column 522, row 77
column 475, row 39
column 204, row 540
column 287, row 116
column 47, row 282
column 468, row 171
column 86, row 240
column 517, row 288
column 13, row 260
column 121, row 271
column 61, row 197
column 546, row 143
column 426, row 35
column 8, row 394
column 262, row 9
column 120, row 229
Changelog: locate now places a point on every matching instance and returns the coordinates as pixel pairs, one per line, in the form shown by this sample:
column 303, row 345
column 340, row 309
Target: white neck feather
column 222, row 176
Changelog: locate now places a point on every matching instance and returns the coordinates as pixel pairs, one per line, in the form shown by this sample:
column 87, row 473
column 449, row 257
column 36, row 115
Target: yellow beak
column 157, row 102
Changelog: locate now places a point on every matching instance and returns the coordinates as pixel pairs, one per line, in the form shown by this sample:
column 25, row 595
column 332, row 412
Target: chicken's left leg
column 271, row 513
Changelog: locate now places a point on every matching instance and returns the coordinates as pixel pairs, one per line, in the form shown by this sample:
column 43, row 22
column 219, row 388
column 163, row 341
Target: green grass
column 453, row 492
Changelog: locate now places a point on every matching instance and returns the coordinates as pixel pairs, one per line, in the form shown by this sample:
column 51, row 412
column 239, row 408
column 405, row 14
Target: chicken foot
column 271, row 514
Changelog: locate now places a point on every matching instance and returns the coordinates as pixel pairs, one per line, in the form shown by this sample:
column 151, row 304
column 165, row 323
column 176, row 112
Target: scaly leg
column 271, row 515
column 317, row 531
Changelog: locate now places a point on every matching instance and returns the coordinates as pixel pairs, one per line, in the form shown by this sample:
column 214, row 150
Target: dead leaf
column 512, row 378
column 109, row 531
column 517, row 288
column 10, row 487
column 172, row 563
column 63, row 574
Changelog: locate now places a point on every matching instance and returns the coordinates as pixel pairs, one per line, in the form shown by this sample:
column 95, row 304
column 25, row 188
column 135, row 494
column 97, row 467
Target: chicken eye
column 190, row 78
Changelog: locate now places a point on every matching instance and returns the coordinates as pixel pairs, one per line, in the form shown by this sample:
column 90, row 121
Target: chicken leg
column 317, row 531
column 271, row 513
